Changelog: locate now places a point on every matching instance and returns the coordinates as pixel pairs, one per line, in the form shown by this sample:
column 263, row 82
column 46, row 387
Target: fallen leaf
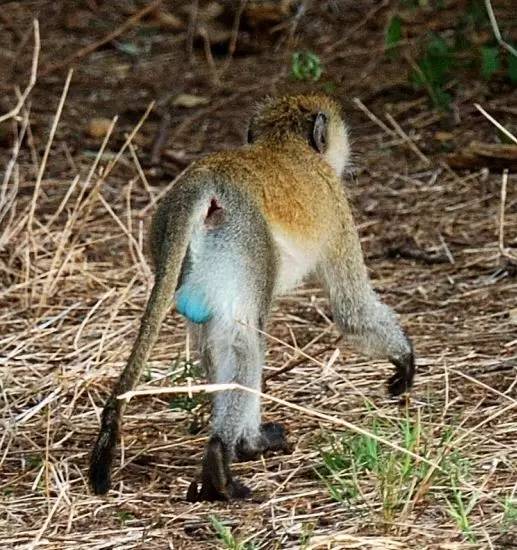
column 167, row 20
column 443, row 136
column 98, row 127
column 512, row 315
column 480, row 155
column 189, row 100
column 78, row 19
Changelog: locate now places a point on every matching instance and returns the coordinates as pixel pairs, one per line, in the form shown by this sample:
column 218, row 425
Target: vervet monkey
column 237, row 229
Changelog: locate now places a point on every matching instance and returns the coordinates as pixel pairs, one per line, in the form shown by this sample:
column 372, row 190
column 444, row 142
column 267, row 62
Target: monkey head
column 316, row 119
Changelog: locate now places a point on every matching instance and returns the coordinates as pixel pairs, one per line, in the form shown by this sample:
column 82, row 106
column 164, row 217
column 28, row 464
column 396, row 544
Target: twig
column 131, row 239
column 495, row 122
column 497, row 32
column 502, row 249
column 29, row 413
column 410, row 252
column 161, row 137
column 191, row 30
column 32, row 80
column 90, row 48
column 411, row 144
column 49, row 517
column 501, row 211
column 354, row 29
column 374, row 118
column 447, row 250
column 297, row 361
column 208, row 54
column 483, row 385
column 140, row 171
column 47, row 150
column 211, row 388
column 235, row 34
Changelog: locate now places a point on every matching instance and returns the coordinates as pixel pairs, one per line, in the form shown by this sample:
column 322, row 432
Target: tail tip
column 99, row 476
column 99, row 473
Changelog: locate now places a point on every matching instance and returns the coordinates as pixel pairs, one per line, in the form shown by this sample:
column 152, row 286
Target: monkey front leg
column 362, row 317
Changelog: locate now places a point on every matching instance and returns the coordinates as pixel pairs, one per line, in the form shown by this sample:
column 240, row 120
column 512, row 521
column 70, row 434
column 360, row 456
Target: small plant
column 184, row 403
column 34, row 461
column 490, row 61
column 181, row 372
column 442, row 56
column 124, row 516
column 509, row 514
column 393, row 34
column 433, row 70
column 306, row 66
column 460, row 509
column 306, row 535
column 350, row 465
column 226, row 536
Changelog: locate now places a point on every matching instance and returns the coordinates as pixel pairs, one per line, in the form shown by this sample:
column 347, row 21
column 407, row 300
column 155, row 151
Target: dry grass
column 73, row 283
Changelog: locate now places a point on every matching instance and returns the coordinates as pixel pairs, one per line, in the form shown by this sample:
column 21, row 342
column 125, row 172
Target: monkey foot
column 234, row 490
column 273, row 438
column 217, row 482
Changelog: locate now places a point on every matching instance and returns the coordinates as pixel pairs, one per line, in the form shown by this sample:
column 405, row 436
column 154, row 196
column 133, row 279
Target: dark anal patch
column 214, row 215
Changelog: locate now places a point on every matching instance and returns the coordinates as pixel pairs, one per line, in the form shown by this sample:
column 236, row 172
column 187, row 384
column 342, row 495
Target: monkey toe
column 397, row 385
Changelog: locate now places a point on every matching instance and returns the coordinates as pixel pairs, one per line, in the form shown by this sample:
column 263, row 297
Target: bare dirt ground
column 74, row 280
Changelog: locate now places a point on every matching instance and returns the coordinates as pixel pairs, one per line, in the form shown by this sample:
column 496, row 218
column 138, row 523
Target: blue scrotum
column 192, row 304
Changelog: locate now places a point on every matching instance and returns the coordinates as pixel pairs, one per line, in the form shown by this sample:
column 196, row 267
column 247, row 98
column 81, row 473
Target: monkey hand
column 402, row 380
column 217, row 481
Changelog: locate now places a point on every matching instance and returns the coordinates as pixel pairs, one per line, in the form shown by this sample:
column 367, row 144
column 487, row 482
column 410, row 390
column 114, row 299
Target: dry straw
column 74, row 281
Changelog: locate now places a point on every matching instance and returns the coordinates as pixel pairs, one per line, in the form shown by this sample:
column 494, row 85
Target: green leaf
column 128, row 48
column 512, row 68
column 490, row 61
column 306, row 66
column 329, row 87
column 393, row 32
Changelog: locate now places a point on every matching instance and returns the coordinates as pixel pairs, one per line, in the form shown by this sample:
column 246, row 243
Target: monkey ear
column 319, row 133
column 250, row 137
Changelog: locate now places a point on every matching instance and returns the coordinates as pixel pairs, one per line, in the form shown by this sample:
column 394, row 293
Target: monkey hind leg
column 231, row 354
column 369, row 323
column 241, row 265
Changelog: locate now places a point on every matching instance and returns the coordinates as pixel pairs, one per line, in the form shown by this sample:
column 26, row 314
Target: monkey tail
column 175, row 241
